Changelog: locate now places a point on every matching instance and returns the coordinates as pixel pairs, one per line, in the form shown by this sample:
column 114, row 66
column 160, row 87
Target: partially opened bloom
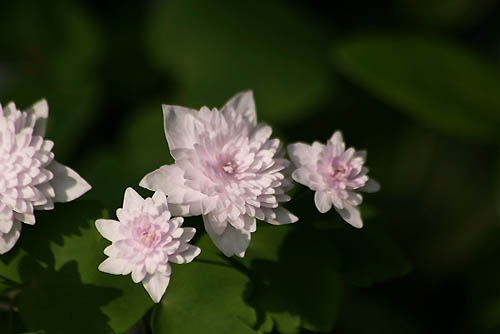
column 145, row 240
column 226, row 168
column 30, row 178
column 336, row 174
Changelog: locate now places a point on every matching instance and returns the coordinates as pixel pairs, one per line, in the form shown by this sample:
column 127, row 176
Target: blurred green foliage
column 416, row 83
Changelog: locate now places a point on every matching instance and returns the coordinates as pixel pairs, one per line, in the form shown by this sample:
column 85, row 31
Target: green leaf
column 205, row 296
column 368, row 255
column 296, row 283
column 269, row 47
column 57, row 266
column 439, row 84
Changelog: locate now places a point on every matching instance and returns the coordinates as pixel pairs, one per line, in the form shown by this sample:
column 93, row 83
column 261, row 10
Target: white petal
column 242, row 103
column 37, row 117
column 302, row 176
column 156, row 285
column 132, row 200
column 337, row 138
column 180, row 126
column 183, row 201
column 68, row 185
column 115, row 266
column 371, row 186
column 187, row 256
column 283, row 216
column 322, row 201
column 6, row 224
column 303, row 155
column 351, row 215
column 8, row 240
column 231, row 241
column 109, row 229
column 216, row 225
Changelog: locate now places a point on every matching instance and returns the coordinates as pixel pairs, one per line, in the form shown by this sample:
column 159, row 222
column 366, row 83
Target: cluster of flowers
column 227, row 169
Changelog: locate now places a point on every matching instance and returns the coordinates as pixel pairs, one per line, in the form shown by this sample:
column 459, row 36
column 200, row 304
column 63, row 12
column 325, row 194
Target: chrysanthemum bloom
column 336, row 174
column 226, row 168
column 30, row 178
column 145, row 240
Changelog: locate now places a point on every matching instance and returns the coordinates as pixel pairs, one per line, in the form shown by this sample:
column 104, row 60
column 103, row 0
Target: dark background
column 416, row 83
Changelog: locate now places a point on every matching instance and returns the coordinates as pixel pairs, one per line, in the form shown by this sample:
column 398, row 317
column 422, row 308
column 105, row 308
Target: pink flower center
column 148, row 236
column 338, row 169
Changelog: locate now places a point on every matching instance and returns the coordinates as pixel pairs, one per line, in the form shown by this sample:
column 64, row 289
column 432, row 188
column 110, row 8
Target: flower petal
column 351, row 215
column 283, row 216
column 231, row 241
column 132, row 200
column 8, row 240
column 371, row 186
column 322, row 201
column 156, row 285
column 68, row 185
column 183, row 201
column 109, row 229
column 187, row 256
column 242, row 103
column 180, row 126
column 37, row 117
column 115, row 266
column 303, row 155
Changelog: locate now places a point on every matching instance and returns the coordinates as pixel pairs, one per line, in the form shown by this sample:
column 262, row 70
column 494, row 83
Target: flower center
column 338, row 169
column 148, row 236
column 229, row 167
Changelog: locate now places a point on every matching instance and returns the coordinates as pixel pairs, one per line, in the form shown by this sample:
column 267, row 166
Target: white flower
column 30, row 178
column 336, row 174
column 226, row 168
column 144, row 242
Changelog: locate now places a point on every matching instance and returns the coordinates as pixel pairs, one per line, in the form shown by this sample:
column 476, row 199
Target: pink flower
column 144, row 242
column 30, row 178
column 336, row 174
column 226, row 168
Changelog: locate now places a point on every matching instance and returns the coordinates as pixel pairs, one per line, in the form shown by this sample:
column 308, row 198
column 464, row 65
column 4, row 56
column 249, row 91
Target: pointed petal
column 37, row 117
column 68, row 185
column 115, row 266
column 242, row 103
column 187, row 256
column 8, row 240
column 351, row 215
column 132, row 200
column 180, row 126
column 283, row 216
column 156, row 285
column 109, row 229
column 304, row 155
column 183, row 201
column 322, row 201
column 231, row 241
column 371, row 186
